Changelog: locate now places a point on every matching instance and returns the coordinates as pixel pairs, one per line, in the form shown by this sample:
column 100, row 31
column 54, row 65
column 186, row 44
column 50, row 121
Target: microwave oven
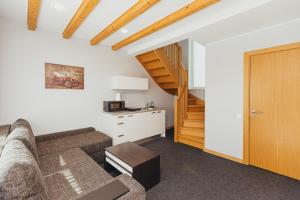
column 113, row 106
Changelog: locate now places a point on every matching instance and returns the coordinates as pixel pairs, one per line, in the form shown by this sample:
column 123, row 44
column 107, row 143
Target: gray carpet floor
column 190, row 174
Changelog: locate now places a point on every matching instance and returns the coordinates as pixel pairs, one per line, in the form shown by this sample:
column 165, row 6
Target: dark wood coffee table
column 136, row 161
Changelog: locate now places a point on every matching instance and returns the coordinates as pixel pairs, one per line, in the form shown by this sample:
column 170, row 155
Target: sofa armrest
column 51, row 136
column 136, row 190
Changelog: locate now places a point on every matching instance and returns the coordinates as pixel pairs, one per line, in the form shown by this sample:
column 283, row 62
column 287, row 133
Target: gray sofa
column 56, row 166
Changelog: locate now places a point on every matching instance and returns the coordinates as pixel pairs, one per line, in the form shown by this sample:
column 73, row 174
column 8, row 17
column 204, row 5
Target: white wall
column 184, row 44
column 197, row 66
column 224, row 84
column 22, row 86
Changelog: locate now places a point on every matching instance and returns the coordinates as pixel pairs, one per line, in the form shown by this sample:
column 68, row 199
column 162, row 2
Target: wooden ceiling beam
column 188, row 10
column 81, row 14
column 137, row 9
column 33, row 13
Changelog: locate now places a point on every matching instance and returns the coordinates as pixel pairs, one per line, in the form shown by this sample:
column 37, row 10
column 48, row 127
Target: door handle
column 120, row 123
column 255, row 112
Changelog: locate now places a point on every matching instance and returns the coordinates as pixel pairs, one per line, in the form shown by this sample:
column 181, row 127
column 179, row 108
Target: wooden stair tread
column 158, row 72
column 198, row 143
column 196, row 113
column 196, row 132
column 195, row 106
column 168, row 85
column 153, row 65
column 194, row 123
column 195, row 102
column 147, row 57
column 164, row 79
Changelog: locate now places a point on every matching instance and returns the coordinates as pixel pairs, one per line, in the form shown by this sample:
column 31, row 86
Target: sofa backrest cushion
column 20, row 175
column 25, row 135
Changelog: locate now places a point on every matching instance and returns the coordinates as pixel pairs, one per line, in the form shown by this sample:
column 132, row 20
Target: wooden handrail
column 181, row 91
column 181, row 102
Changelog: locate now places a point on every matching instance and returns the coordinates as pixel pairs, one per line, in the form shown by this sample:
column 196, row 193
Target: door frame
column 246, row 112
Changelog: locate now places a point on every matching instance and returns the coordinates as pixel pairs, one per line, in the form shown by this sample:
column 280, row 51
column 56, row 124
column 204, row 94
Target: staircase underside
column 159, row 70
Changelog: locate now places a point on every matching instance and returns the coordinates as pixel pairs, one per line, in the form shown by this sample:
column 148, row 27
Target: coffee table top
column 131, row 153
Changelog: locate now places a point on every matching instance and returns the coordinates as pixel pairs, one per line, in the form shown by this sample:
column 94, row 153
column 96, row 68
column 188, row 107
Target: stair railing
column 174, row 55
column 181, row 103
column 173, row 52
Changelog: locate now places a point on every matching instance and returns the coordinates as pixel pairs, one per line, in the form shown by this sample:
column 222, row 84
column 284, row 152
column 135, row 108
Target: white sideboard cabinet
column 133, row 126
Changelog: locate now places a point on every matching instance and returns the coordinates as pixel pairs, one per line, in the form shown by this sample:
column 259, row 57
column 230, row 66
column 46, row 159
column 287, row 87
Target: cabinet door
column 157, row 122
column 136, row 126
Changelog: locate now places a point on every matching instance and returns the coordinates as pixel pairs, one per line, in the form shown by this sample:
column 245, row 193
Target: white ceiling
column 56, row 14
column 274, row 13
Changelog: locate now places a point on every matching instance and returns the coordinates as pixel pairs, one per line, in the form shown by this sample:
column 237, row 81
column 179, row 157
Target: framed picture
column 63, row 77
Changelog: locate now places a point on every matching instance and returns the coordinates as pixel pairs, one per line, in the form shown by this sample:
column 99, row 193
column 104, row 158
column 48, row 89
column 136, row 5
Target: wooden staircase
column 164, row 70
column 165, row 67
column 192, row 130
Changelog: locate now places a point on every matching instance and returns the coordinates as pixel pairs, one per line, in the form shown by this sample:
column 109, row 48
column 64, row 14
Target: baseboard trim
column 224, row 156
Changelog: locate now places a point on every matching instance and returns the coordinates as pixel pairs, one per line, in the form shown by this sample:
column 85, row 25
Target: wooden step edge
column 196, row 113
column 191, row 143
column 191, row 137
column 152, row 69
column 193, row 120
column 168, row 85
column 195, row 126
column 164, row 81
column 149, row 61
column 200, row 135
column 196, row 106
column 157, row 75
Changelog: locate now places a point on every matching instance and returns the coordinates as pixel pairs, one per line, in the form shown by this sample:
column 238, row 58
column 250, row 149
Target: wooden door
column 275, row 111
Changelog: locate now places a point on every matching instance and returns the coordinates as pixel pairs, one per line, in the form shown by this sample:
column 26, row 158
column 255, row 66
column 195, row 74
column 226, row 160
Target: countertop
column 132, row 112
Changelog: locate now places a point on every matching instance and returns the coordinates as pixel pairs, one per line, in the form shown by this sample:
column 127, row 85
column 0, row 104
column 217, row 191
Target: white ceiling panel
column 56, row 14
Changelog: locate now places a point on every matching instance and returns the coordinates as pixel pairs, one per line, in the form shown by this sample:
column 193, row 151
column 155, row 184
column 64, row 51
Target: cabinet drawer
column 120, row 138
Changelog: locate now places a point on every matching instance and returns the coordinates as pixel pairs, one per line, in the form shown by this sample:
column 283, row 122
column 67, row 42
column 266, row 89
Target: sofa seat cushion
column 24, row 134
column 71, row 174
column 91, row 143
column 20, row 176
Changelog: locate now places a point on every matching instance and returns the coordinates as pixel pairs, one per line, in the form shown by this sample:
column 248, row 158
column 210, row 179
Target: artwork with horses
column 63, row 77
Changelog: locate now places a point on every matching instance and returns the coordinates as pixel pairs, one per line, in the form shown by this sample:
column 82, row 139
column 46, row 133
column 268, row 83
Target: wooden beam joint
column 33, row 13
